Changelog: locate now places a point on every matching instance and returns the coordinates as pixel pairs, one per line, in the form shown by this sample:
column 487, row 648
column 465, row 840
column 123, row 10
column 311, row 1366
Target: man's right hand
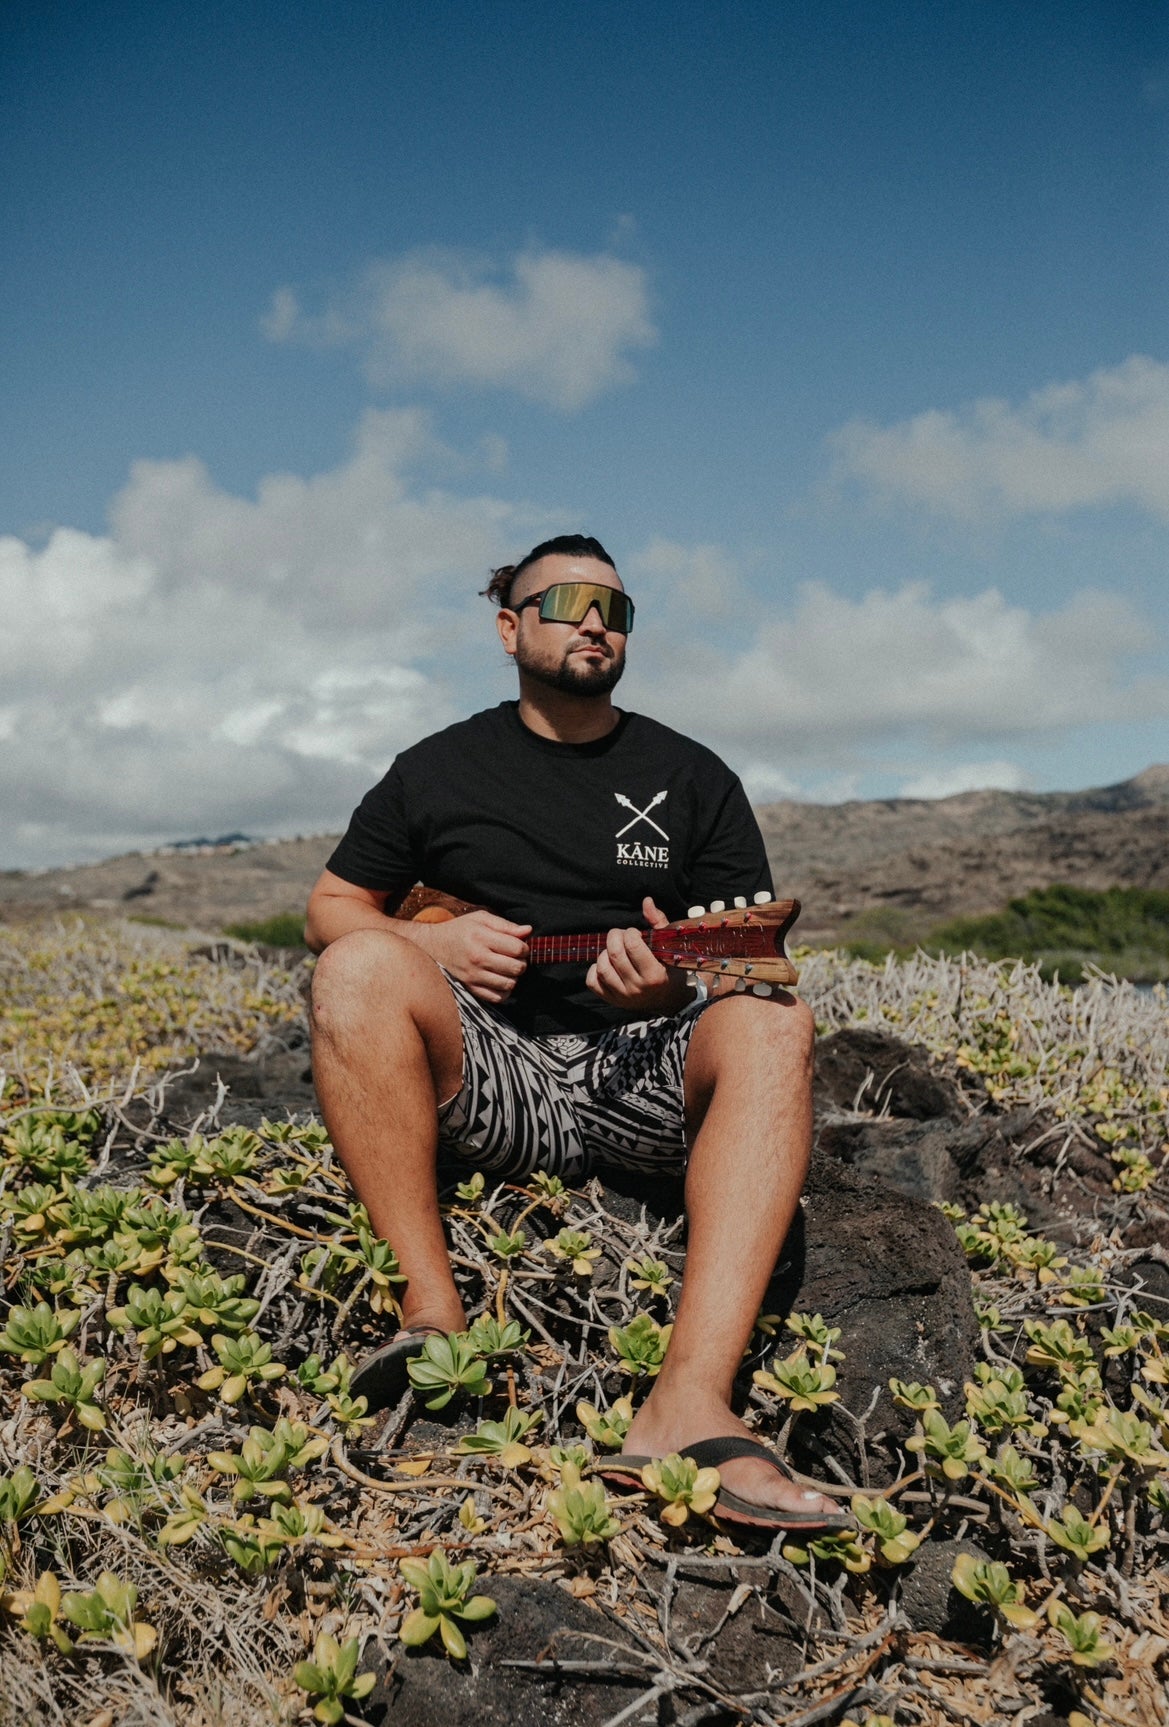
column 485, row 952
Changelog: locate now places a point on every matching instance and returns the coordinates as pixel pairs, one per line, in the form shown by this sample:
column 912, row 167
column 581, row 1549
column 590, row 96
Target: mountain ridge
column 901, row 864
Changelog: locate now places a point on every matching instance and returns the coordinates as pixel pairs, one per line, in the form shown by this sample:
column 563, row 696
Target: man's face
column 581, row 659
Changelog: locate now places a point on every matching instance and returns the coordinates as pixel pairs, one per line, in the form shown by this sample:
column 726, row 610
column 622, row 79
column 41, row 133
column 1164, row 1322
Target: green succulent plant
column 74, row 1386
column 641, row 1345
column 39, row 1612
column 332, row 1676
column 989, row 1584
column 502, row 1439
column 507, row 1246
column 908, row 1394
column 448, row 1365
column 215, row 1303
column 445, row 1596
column 802, row 1383
column 581, row 1511
column 575, row 1248
column 492, row 1339
column 18, row 1494
column 244, row 1361
column 34, row 1334
column 681, row 1486
column 816, row 1334
column 1082, row 1633
column 840, row 1547
column 895, row 1541
column 1012, row 1471
column 250, row 1545
column 1058, row 1347
column 1076, row 1535
column 607, row 1428
column 650, row 1274
column 159, row 1320
column 950, row 1451
column 106, row 1614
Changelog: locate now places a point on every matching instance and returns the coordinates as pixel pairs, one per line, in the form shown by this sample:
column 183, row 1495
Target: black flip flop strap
column 712, row 1453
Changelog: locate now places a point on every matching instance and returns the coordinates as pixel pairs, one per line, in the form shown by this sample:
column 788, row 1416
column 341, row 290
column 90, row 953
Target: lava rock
column 422, row 1686
column 887, row 1269
column 871, row 1070
column 930, row 1601
column 913, row 1156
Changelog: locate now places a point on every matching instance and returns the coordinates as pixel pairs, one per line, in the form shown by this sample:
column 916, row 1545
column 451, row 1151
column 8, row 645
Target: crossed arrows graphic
column 641, row 815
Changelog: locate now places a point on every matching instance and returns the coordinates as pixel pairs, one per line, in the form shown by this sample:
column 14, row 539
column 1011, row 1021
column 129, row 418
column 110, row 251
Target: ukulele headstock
column 738, row 940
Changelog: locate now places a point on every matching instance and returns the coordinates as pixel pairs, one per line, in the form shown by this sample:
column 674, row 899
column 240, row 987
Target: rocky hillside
column 902, row 865
column 899, row 865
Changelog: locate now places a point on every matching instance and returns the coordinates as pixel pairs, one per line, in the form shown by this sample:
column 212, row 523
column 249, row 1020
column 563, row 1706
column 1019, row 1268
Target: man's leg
column 387, row 1049
column 749, row 1118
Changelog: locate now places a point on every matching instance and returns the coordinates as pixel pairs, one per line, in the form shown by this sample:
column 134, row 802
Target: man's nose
column 592, row 622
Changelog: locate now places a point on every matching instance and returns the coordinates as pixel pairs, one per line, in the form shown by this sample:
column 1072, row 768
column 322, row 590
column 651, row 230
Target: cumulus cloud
column 946, row 782
column 1100, row 441
column 556, row 327
column 221, row 662
column 840, row 678
column 217, row 661
column 685, row 582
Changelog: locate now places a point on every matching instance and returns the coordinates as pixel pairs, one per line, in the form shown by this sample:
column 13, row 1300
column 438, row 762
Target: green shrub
column 1063, row 929
column 284, row 930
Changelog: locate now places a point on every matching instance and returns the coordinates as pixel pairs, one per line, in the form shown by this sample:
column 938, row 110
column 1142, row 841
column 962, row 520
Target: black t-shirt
column 567, row 837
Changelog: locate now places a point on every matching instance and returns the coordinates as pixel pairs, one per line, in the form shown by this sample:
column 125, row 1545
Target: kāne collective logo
column 642, row 850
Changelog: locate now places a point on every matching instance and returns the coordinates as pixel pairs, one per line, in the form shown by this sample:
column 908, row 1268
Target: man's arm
column 485, row 952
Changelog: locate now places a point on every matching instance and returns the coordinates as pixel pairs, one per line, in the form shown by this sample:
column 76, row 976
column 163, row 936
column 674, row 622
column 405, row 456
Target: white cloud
column 217, row 661
column 685, row 582
column 765, row 784
column 946, row 782
column 557, row 327
column 839, row 678
column 1079, row 445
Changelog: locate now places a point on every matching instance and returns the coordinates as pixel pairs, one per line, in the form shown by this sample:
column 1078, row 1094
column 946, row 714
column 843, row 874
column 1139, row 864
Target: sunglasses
column 571, row 602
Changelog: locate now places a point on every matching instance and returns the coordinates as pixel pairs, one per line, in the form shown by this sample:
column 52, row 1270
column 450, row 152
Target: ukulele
column 740, row 940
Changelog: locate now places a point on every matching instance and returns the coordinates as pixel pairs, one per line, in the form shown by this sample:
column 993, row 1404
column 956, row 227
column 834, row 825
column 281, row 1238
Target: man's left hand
column 628, row 974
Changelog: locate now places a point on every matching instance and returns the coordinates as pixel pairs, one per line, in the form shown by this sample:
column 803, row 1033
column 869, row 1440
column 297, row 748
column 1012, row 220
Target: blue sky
column 846, row 328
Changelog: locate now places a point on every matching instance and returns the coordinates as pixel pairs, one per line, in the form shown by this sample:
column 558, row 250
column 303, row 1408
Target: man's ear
column 507, row 623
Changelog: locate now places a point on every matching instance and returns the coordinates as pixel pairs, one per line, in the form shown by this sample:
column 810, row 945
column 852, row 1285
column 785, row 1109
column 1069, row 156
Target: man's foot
column 752, row 1483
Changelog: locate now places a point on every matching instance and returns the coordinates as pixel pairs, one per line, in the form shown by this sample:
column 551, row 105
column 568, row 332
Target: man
column 564, row 814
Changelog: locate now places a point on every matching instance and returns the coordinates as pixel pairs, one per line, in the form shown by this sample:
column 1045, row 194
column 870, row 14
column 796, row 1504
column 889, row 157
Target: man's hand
column 628, row 975
column 485, row 952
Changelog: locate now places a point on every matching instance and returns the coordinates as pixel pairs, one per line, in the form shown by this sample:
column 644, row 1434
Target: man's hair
column 567, row 545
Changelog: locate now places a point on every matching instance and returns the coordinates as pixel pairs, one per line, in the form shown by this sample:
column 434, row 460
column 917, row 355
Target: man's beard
column 572, row 678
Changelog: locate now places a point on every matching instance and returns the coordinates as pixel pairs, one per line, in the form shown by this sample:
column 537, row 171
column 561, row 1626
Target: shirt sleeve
column 730, row 858
column 377, row 851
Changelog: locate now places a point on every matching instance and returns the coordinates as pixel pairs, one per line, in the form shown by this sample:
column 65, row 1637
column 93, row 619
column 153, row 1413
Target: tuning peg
column 718, row 905
column 740, row 902
column 760, row 989
column 740, row 985
column 762, row 897
column 696, row 911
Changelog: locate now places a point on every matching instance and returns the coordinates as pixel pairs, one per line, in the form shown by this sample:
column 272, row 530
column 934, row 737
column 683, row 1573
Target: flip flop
column 732, row 1507
column 382, row 1377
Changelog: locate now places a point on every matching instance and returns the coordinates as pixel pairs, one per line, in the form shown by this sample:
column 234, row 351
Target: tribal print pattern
column 565, row 1103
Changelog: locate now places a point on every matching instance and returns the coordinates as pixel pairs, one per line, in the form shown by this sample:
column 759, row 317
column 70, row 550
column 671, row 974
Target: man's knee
column 360, row 971
column 759, row 1030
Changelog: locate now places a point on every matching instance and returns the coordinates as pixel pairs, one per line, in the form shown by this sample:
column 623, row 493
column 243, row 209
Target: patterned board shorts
column 565, row 1103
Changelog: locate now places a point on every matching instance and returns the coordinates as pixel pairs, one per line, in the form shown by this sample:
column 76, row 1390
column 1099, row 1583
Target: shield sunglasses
column 571, row 602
